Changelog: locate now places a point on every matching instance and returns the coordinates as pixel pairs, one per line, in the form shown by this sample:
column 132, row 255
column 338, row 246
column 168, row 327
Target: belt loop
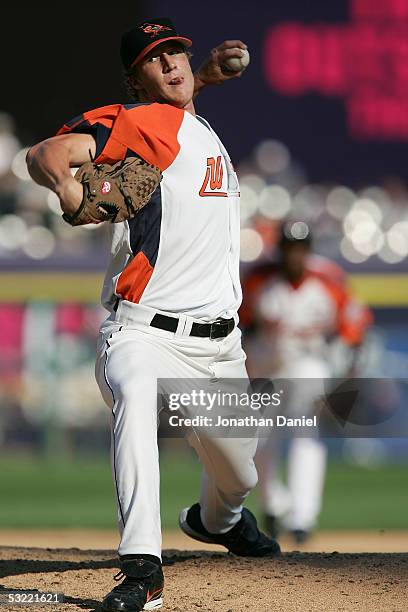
column 118, row 310
column 184, row 326
column 180, row 331
column 188, row 325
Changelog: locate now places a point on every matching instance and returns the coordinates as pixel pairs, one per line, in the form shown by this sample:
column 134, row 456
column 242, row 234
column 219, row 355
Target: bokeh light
column 53, row 203
column 369, row 206
column 397, row 238
column 309, row 202
column 339, row 201
column 389, row 256
column 19, row 165
column 299, row 230
column 253, row 181
column 13, row 232
column 272, row 157
column 274, row 202
column 39, row 242
column 251, row 244
column 249, row 202
column 9, row 145
column 350, row 253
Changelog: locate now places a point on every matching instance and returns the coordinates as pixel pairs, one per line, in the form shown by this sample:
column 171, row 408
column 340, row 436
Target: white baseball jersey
column 302, row 317
column 180, row 254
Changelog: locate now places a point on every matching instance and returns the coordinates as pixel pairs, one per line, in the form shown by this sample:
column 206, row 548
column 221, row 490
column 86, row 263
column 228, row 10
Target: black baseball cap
column 138, row 41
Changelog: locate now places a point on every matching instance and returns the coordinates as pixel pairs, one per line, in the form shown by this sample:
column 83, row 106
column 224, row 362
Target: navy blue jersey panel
column 145, row 228
column 101, row 137
column 130, row 106
column 130, row 153
column 100, row 133
column 75, row 120
column 84, row 127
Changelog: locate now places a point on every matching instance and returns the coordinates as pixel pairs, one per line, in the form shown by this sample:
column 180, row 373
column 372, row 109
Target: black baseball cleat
column 300, row 535
column 141, row 589
column 244, row 539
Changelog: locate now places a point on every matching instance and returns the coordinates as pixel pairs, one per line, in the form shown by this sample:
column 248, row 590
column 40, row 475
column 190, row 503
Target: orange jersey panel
column 134, row 278
column 353, row 318
column 147, row 130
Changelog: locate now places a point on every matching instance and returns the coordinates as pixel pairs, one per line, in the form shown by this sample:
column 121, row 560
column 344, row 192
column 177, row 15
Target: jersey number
column 213, row 179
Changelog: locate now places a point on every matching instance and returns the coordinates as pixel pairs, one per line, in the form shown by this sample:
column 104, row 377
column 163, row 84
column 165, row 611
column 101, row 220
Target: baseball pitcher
column 161, row 178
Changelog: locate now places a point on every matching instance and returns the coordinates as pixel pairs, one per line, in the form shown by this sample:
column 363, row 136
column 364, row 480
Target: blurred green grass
column 41, row 493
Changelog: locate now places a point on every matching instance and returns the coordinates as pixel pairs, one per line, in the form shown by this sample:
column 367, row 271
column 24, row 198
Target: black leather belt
column 218, row 329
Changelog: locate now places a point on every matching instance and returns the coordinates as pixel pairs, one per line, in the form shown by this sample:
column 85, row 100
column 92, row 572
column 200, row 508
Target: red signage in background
column 364, row 62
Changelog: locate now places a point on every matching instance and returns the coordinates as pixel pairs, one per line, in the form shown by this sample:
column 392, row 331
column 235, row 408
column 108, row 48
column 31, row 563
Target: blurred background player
column 305, row 316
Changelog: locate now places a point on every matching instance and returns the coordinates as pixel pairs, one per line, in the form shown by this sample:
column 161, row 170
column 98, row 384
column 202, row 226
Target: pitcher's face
column 165, row 75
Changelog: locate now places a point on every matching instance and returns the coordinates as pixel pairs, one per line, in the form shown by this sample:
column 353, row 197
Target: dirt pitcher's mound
column 210, row 581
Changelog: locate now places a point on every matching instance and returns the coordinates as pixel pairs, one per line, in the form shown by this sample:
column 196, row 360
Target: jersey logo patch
column 213, row 179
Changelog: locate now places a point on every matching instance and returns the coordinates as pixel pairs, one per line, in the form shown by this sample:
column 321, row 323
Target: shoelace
column 134, row 583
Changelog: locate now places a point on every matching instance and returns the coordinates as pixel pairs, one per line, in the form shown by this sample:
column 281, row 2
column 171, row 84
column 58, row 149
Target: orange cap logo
column 153, row 29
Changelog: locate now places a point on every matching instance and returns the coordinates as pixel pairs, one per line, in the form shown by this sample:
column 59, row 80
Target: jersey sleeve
column 253, row 282
column 98, row 123
column 353, row 319
column 147, row 130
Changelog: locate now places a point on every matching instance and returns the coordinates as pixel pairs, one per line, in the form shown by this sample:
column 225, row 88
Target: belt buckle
column 215, row 327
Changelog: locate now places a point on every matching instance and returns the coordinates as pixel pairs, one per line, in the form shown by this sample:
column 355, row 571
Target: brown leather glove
column 114, row 193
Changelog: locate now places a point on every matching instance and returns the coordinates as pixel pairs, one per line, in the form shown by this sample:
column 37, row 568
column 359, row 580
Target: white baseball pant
column 131, row 356
column 299, row 503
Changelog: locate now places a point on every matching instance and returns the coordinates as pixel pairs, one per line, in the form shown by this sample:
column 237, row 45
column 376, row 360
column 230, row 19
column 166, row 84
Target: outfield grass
column 38, row 493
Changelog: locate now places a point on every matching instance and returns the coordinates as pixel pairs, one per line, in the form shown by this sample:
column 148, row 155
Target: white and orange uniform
column 180, row 253
column 179, row 256
column 301, row 319
column 299, row 323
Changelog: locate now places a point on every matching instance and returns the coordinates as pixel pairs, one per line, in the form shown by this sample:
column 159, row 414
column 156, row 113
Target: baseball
column 236, row 64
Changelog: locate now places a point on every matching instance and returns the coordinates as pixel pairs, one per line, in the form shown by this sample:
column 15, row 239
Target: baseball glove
column 114, row 193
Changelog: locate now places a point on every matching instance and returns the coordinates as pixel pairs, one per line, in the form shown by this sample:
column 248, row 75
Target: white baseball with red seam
column 236, row 64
